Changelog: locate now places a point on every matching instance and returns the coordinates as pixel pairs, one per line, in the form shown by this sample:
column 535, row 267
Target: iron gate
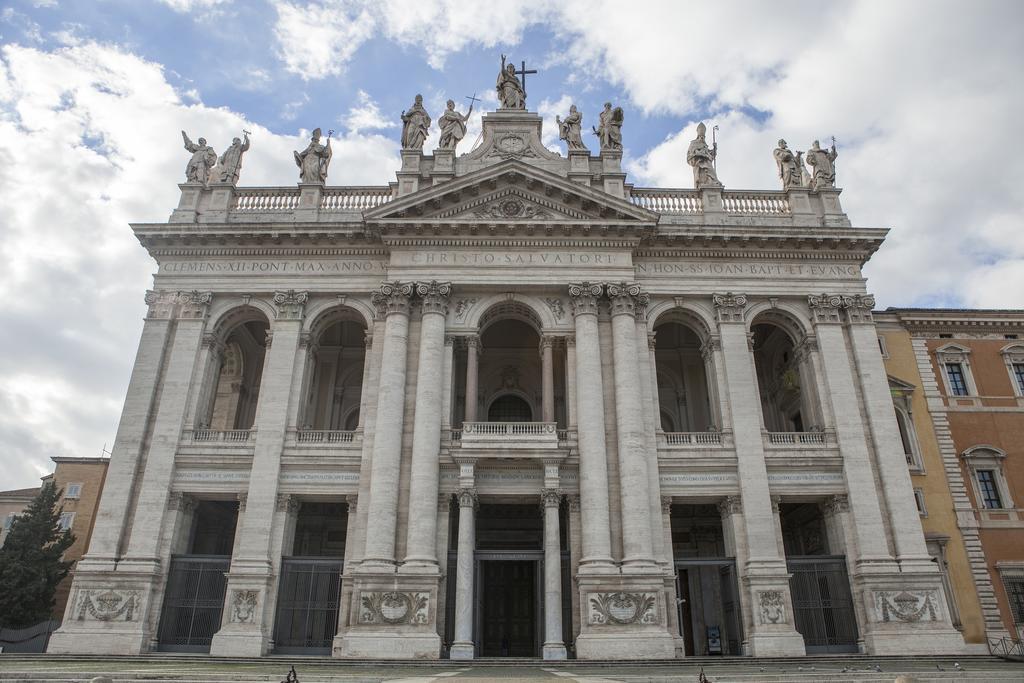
column 193, row 602
column 307, row 605
column 822, row 603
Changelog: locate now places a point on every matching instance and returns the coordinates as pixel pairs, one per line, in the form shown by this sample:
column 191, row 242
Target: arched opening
column 237, row 366
column 684, row 397
column 335, row 374
column 509, row 408
column 784, row 379
column 510, row 371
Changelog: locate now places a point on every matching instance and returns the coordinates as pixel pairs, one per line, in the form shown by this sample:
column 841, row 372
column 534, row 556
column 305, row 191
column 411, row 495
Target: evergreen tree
column 30, row 561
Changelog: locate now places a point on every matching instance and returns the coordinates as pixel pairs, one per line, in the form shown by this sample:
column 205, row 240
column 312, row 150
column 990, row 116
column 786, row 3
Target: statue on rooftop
column 569, row 129
column 415, row 125
column 314, row 160
column 823, row 163
column 609, row 127
column 790, row 165
column 453, row 126
column 230, row 162
column 203, row 159
column 702, row 159
column 510, row 91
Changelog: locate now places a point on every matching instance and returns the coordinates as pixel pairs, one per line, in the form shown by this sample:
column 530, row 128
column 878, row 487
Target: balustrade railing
column 455, row 435
column 223, row 435
column 324, row 436
column 252, row 199
column 354, row 198
column 797, row 438
column 756, row 203
column 699, row 438
column 508, row 429
column 667, row 201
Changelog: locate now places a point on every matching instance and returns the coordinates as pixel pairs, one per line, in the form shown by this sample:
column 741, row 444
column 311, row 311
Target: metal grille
column 307, row 605
column 193, row 602
column 822, row 604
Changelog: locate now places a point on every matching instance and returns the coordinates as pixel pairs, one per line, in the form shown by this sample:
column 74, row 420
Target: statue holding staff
column 314, row 160
column 453, row 126
column 702, row 159
column 569, row 129
column 203, row 158
column 510, row 90
column 415, row 125
column 609, row 127
column 790, row 166
column 230, row 162
column 823, row 163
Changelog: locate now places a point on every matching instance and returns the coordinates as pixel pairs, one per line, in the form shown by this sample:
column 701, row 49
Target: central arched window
column 335, row 379
column 509, row 408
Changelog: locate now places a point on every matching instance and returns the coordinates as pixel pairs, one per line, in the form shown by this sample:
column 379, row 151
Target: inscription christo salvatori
column 760, row 270
column 331, row 267
column 510, row 258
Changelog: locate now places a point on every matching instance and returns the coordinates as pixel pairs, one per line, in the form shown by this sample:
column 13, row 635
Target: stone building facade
column 972, row 365
column 508, row 405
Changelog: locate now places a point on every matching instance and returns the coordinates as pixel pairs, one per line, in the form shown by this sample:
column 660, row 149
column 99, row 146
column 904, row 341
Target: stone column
column 472, row 352
column 637, row 544
column 176, row 350
column 765, row 577
column 547, row 379
column 426, row 441
column 247, row 634
column 462, row 647
column 393, row 301
column 593, row 470
column 575, row 553
column 554, row 648
column 652, row 419
column 730, row 509
column 447, row 374
column 842, row 392
column 905, row 521
column 570, row 381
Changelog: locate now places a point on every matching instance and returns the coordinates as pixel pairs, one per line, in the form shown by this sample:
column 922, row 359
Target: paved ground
column 164, row 669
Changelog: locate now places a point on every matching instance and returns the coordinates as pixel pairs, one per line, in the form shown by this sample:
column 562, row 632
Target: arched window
column 235, row 372
column 335, row 379
column 509, row 408
column 684, row 397
column 784, row 378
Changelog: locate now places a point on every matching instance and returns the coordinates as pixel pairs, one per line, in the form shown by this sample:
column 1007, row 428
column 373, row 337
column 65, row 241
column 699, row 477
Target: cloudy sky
column 925, row 99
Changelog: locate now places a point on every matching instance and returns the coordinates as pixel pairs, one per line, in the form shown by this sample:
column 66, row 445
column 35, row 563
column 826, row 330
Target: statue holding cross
column 512, row 93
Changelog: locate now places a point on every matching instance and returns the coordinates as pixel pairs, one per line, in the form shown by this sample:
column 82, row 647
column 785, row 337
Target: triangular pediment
column 510, row 192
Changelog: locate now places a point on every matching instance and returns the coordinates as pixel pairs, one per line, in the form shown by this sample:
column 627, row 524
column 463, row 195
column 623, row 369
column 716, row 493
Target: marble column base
column 240, row 640
column 555, row 651
column 109, row 612
column 462, row 651
column 625, row 617
column 390, row 616
column 248, row 615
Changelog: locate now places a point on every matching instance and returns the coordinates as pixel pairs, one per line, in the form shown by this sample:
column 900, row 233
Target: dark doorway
column 310, row 590
column 509, row 608
column 196, row 580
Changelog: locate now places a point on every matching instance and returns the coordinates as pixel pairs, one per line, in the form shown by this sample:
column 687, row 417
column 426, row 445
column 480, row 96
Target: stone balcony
column 508, row 436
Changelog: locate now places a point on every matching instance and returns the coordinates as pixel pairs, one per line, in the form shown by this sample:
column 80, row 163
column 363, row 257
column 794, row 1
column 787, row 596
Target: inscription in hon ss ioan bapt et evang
column 696, row 268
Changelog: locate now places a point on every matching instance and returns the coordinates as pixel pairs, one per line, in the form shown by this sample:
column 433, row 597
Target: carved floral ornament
column 625, row 297
column 906, row 606
column 826, row 308
column 243, row 606
column 511, row 208
column 393, row 607
column 107, row 605
column 551, row 498
column 164, row 304
column 771, row 607
column 434, row 296
column 606, row 609
column 290, row 304
column 729, row 307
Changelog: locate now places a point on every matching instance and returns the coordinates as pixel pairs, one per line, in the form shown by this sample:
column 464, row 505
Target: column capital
column 807, row 345
column 666, row 505
column 449, row 340
column 584, row 297
column 243, row 498
column 776, row 502
column 471, row 341
column 444, row 502
column 181, row 502
column 858, row 308
column 729, row 307
column 352, row 500
column 392, row 297
column 710, row 345
column 570, row 340
column 287, row 502
column 730, row 505
column 550, row 498
column 627, row 299
column 574, row 502
column 291, row 304
column 434, row 296
column 836, row 504
column 825, row 308
column 468, row 498
column 161, row 303
column 194, row 305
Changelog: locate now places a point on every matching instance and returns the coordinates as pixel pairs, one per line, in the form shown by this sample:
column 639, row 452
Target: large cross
column 522, row 72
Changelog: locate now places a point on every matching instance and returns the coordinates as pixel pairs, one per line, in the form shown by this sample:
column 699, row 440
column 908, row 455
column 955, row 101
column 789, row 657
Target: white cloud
column 89, row 141
column 184, row 6
column 318, row 39
column 365, row 115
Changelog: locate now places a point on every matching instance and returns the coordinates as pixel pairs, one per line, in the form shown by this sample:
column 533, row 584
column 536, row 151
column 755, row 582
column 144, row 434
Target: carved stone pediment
column 509, row 192
column 511, row 144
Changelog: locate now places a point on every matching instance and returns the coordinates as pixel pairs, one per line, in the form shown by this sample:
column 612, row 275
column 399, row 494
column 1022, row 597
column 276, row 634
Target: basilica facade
column 508, row 405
